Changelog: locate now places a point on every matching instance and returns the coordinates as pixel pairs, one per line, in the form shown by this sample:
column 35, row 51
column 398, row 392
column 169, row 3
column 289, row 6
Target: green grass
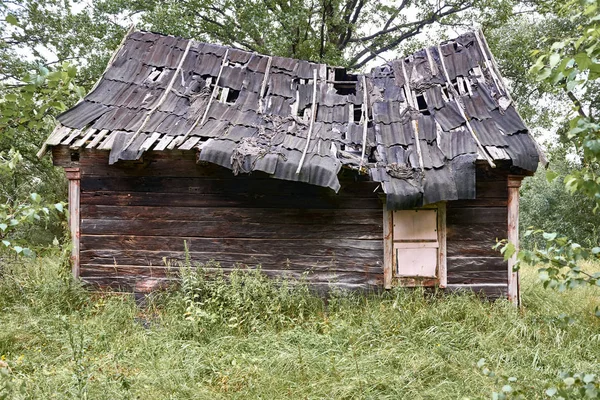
column 253, row 339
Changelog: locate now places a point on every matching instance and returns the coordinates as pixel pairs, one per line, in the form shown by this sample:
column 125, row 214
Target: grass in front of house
column 250, row 338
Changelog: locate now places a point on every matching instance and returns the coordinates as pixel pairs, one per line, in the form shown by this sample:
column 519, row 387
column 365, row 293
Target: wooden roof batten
column 419, row 151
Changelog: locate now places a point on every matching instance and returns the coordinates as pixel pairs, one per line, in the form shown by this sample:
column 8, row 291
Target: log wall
column 135, row 218
column 472, row 227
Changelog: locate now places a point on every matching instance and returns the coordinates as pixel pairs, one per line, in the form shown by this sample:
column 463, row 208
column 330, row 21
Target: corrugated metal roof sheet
column 425, row 113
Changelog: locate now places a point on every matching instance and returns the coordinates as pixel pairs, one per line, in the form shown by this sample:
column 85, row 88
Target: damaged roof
column 417, row 124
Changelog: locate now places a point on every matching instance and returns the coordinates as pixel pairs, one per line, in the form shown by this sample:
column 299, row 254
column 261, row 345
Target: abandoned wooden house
column 406, row 175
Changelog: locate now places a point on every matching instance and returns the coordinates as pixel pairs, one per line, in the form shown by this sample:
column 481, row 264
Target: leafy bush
column 245, row 299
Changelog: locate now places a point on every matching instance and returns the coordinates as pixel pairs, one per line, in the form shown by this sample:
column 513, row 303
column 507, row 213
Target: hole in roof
column 344, row 83
column 422, row 105
column 74, row 156
column 156, row 74
column 357, row 113
column 232, row 96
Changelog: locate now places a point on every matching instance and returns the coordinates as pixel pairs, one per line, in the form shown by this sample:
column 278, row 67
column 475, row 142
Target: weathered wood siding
column 135, row 218
column 472, row 229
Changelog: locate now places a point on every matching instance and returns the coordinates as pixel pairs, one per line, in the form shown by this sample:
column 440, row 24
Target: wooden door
column 418, row 247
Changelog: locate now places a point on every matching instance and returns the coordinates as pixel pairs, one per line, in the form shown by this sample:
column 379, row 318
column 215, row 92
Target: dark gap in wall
column 344, row 83
column 232, row 96
column 422, row 105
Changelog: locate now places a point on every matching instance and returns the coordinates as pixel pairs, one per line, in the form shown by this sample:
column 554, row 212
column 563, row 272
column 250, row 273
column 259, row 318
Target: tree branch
column 358, row 62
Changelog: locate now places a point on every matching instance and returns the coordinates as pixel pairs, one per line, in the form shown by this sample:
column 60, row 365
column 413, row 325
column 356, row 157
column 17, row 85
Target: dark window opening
column 75, row 156
column 344, row 83
column 357, row 113
column 232, row 96
column 157, row 73
column 422, row 104
column 372, row 157
column 445, row 91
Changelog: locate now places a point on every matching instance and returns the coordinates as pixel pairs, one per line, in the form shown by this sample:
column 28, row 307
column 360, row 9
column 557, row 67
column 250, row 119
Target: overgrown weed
column 247, row 336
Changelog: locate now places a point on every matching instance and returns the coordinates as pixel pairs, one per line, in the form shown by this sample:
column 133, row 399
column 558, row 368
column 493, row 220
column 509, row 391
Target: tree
column 348, row 33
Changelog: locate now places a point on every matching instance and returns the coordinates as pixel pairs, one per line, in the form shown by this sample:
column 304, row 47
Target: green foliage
column 571, row 66
column 566, row 386
column 18, row 216
column 339, row 32
column 399, row 344
column 547, row 204
column 246, row 299
column 561, row 260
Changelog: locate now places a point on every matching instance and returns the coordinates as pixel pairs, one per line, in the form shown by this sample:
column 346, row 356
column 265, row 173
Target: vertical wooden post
column 388, row 247
column 514, row 183
column 442, row 264
column 74, row 177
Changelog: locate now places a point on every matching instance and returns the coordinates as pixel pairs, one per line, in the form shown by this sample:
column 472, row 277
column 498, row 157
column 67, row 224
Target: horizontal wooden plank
column 471, row 248
column 149, row 276
column 478, row 203
column 476, row 232
column 268, row 261
column 234, row 215
column 468, row 270
column 310, row 247
column 490, row 291
column 227, row 200
column 470, row 215
column 218, row 184
column 238, row 230
column 495, row 189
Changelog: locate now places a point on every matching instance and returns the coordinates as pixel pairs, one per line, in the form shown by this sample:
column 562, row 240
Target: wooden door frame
column 389, row 278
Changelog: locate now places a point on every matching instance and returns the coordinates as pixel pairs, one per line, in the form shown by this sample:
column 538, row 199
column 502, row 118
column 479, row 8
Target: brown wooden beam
column 74, row 177
column 514, row 183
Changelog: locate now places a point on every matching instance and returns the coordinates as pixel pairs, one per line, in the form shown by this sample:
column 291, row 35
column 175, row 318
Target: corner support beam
column 74, row 177
column 514, row 183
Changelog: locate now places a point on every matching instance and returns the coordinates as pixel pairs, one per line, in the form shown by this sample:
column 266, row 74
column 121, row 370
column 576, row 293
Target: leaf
column 35, row 197
column 551, row 175
column 596, row 250
column 28, row 252
column 570, row 381
column 11, row 19
column 18, row 249
column 543, row 74
column 59, row 207
column 549, row 236
column 507, row 388
column 551, row 391
column 589, row 378
column 583, row 60
column 481, row 362
column 3, row 227
column 554, row 60
column 6, row 243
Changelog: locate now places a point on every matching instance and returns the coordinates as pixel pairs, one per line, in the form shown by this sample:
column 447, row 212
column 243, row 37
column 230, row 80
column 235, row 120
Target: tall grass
column 249, row 337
